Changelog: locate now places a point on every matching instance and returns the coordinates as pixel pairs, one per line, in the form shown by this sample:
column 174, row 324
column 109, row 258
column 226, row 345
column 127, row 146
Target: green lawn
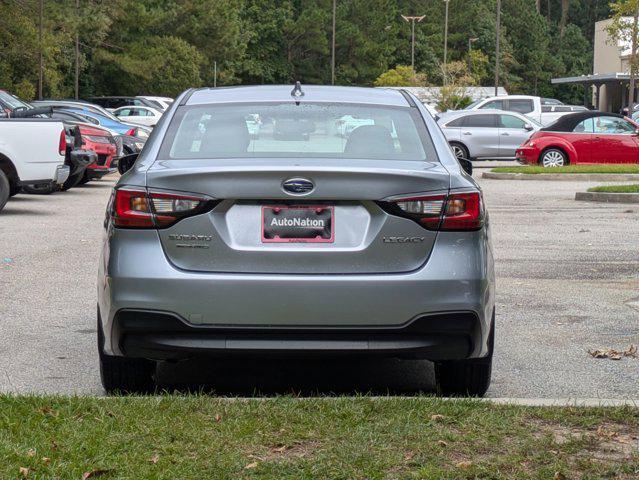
column 618, row 168
column 196, row 437
column 616, row 189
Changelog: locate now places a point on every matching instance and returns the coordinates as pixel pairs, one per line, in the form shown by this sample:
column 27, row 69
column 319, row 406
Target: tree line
column 129, row 47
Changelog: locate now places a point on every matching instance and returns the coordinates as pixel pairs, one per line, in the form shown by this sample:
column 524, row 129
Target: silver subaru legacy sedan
column 254, row 224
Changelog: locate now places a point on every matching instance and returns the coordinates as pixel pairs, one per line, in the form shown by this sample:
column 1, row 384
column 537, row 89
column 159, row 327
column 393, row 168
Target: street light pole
column 333, row 45
column 412, row 19
column 497, row 35
column 446, row 43
column 41, row 74
column 77, row 52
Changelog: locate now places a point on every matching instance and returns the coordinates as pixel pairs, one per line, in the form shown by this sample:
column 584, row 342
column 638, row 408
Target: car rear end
column 220, row 243
column 105, row 145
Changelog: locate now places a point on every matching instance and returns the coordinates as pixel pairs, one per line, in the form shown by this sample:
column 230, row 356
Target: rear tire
column 84, row 179
column 466, row 377
column 460, row 150
column 72, row 181
column 124, row 375
column 5, row 189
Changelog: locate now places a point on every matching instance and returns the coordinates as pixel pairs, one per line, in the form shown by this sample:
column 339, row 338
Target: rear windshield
column 305, row 130
column 13, row 102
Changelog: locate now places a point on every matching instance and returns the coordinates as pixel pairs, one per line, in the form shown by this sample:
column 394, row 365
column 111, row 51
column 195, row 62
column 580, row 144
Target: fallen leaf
column 54, row 445
column 48, row 411
column 436, row 416
column 46, row 460
column 409, row 455
column 559, row 476
column 612, row 354
column 441, row 443
column 464, row 464
column 98, row 472
column 31, row 452
column 155, row 458
column 250, row 466
column 24, row 471
column 280, row 449
column 218, row 418
column 605, row 433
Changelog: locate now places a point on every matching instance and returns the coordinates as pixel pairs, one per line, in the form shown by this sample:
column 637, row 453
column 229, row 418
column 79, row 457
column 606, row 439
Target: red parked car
column 584, row 137
column 104, row 144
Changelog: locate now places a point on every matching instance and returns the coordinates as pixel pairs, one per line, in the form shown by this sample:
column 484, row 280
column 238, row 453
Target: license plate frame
column 269, row 211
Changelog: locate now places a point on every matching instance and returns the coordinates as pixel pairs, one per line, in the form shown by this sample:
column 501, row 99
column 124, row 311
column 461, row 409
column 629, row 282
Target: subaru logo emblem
column 298, row 186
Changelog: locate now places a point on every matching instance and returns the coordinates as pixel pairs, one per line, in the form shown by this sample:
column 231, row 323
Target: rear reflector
column 453, row 212
column 137, row 208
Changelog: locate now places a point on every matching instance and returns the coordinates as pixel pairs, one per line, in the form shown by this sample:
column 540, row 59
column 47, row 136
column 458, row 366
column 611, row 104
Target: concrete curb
column 523, row 402
column 607, row 197
column 566, row 402
column 566, row 177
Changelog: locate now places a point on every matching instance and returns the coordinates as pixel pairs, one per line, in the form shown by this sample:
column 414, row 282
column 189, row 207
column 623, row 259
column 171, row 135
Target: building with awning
column 607, row 88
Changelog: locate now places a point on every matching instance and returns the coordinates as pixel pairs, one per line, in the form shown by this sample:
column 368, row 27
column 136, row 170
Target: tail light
column 138, row 208
column 453, row 212
column 62, row 144
column 130, row 132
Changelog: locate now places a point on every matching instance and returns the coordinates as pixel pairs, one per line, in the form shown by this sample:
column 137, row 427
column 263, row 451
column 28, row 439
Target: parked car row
column 77, row 142
column 575, row 138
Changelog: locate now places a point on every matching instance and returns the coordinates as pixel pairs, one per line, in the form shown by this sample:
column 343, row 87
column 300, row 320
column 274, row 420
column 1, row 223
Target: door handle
column 506, row 134
column 466, row 133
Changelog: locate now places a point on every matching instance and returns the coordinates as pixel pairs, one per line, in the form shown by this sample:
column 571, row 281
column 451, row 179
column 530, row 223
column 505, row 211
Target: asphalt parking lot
column 568, row 281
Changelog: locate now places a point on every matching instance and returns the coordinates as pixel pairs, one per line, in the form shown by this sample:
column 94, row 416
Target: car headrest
column 225, row 136
column 370, row 140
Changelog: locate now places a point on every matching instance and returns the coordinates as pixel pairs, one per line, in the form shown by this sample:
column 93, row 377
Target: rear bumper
column 135, row 275
column 165, row 336
column 62, row 174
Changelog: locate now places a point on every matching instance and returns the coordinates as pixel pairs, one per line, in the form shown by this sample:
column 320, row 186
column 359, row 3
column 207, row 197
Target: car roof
column 567, row 123
column 485, row 111
column 312, row 93
column 116, row 96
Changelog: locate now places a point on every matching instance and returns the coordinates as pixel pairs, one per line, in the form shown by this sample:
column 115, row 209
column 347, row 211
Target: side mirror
column 529, row 127
column 466, row 165
column 126, row 163
column 637, row 132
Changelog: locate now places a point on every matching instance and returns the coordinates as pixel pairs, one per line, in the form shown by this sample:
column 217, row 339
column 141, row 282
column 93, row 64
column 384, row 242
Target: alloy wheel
column 459, row 151
column 553, row 158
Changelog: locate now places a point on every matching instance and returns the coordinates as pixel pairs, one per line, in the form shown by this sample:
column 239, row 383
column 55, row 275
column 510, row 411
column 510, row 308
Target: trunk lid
column 363, row 239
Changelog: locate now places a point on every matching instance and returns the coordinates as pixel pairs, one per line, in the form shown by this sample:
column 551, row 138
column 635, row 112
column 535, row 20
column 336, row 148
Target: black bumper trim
column 166, row 336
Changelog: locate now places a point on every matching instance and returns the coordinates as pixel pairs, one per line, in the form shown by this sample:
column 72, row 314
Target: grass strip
column 194, row 437
column 616, row 189
column 604, row 168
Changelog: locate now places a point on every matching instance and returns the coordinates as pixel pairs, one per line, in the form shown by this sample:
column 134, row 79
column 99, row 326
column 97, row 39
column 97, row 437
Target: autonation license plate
column 307, row 224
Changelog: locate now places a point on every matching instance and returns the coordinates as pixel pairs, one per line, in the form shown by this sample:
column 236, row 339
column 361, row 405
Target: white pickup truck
column 32, row 151
column 544, row 111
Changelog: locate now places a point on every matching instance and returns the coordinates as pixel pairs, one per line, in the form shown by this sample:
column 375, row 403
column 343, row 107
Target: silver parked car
column 298, row 242
column 481, row 134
